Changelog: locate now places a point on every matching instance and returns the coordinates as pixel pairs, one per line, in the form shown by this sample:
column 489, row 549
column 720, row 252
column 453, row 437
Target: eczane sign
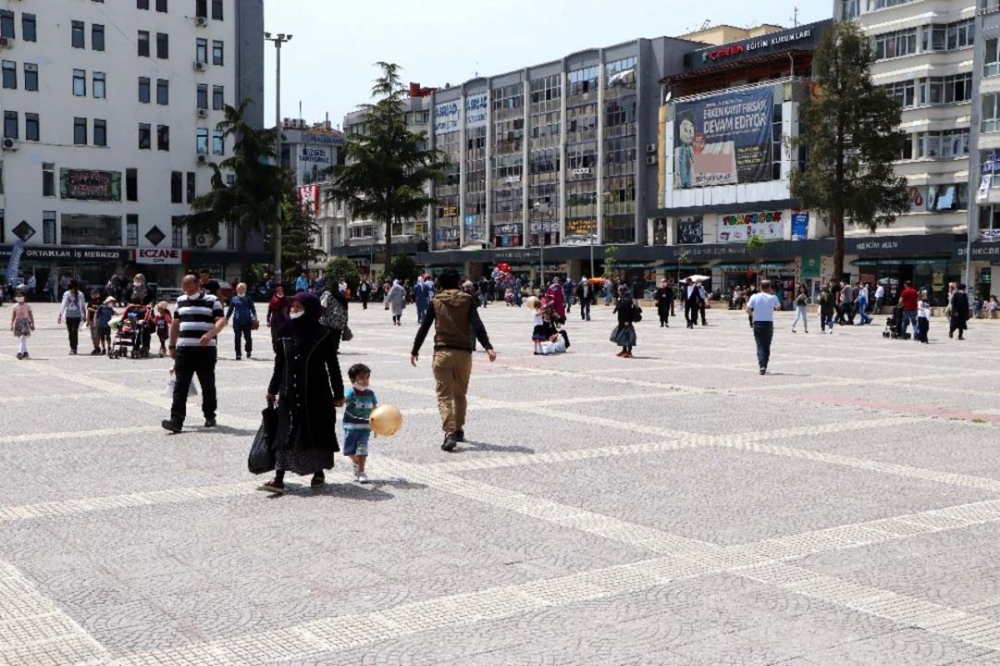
column 157, row 256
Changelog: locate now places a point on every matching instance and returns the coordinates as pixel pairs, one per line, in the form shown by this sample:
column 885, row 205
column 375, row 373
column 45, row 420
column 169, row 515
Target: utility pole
column 278, row 40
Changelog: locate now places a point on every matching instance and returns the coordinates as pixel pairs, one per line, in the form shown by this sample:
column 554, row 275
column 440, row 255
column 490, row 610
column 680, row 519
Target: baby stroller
column 894, row 326
column 132, row 335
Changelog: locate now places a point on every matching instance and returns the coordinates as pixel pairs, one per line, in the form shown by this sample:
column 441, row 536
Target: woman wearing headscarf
column 422, row 296
column 308, row 387
column 628, row 313
column 555, row 298
column 277, row 315
column 396, row 299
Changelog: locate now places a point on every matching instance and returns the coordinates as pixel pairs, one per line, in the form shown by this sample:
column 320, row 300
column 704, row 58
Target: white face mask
column 295, row 315
column 359, row 387
column 19, row 299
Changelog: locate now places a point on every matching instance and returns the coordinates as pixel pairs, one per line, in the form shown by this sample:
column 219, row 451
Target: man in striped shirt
column 199, row 318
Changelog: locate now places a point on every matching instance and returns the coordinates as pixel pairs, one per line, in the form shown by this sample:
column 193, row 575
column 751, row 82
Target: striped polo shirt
column 197, row 315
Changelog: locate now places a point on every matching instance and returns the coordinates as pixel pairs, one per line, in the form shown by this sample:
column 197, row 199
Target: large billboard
column 724, row 139
column 89, row 185
column 447, row 117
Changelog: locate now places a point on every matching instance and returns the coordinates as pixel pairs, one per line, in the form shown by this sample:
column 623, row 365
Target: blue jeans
column 800, row 313
column 825, row 322
column 863, row 312
column 763, row 333
column 909, row 316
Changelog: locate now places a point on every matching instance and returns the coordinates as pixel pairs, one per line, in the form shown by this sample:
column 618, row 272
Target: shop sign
column 775, row 42
column 580, row 232
column 328, row 139
column 690, row 232
column 476, row 108
column 812, row 267
column 989, row 235
column 70, row 254
column 315, row 155
column 724, row 139
column 800, row 225
column 447, row 117
column 507, row 235
column 738, row 228
column 90, row 185
column 158, row 256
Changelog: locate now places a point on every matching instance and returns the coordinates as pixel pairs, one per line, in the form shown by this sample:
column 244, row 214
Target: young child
column 923, row 318
column 163, row 321
column 92, row 307
column 105, row 314
column 542, row 331
column 22, row 323
column 359, row 402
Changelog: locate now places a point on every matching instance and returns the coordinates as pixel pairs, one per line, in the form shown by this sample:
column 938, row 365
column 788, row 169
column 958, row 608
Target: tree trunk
column 388, row 245
column 244, row 255
column 837, row 213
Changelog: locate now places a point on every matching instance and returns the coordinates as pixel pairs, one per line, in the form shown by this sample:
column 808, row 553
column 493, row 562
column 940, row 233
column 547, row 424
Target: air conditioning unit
column 6, row 42
column 201, row 21
column 203, row 240
column 202, row 159
column 203, row 113
column 651, row 160
column 199, row 66
column 10, row 145
column 650, row 148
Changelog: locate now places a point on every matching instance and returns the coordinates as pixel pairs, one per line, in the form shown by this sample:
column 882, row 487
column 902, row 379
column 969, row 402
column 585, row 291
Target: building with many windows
column 109, row 124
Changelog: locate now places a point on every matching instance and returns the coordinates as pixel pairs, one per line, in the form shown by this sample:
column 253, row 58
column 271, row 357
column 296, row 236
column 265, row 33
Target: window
column 48, row 179
column 201, row 141
column 948, row 37
column 31, row 76
column 943, row 144
column 97, row 37
column 78, row 39
column 201, row 50
column 851, row 9
column 80, row 131
column 218, row 52
column 991, row 63
column 32, row 127
column 201, row 8
column 145, row 136
column 904, row 91
column 946, row 89
column 143, row 43
column 177, row 229
column 142, row 4
column 144, row 90
column 161, row 6
column 99, row 85
column 162, row 92
column 28, row 32
column 9, row 74
column 895, row 44
column 131, row 184
column 218, row 98
column 7, row 23
column 201, row 98
column 162, row 45
column 191, row 187
column 176, row 187
column 79, row 83
column 162, row 137
column 49, row 227
column 218, row 143
column 947, row 197
column 132, row 230
column 217, row 10
column 10, row 124
column 100, row 132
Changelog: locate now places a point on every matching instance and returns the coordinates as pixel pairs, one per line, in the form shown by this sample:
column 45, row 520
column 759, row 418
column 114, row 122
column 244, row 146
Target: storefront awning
column 763, row 266
column 905, row 261
column 675, row 267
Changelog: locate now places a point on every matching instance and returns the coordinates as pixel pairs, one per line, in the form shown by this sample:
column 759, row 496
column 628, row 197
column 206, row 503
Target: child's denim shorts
column 356, row 442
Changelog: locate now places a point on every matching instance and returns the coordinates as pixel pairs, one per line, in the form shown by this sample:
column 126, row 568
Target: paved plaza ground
column 676, row 508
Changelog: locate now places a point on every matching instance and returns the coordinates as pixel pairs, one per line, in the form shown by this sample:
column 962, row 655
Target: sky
column 329, row 64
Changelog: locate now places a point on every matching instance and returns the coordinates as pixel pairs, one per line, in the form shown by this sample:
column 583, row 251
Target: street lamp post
column 278, row 40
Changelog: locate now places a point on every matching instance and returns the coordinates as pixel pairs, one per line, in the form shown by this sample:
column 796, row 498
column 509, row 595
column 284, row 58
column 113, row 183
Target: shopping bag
column 262, row 457
column 192, row 390
column 614, row 334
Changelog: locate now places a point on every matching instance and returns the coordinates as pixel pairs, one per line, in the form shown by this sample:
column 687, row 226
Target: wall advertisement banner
column 723, row 139
column 690, row 231
column 309, row 199
column 447, row 117
column 14, row 265
column 159, row 256
column 800, row 225
column 476, row 108
column 738, row 228
column 90, row 185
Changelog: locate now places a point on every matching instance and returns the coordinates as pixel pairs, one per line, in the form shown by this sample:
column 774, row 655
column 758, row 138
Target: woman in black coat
column 664, row 301
column 308, row 386
column 628, row 314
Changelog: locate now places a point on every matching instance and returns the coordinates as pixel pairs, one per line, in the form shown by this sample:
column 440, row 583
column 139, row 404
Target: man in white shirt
column 761, row 307
column 879, row 299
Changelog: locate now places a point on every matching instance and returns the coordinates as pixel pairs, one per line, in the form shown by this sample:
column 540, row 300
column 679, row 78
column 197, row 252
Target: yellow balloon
column 530, row 302
column 386, row 421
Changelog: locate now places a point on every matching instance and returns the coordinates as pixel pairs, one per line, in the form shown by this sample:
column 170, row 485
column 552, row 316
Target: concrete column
column 488, row 221
column 562, row 152
column 462, row 170
column 431, row 188
column 600, row 150
column 525, row 153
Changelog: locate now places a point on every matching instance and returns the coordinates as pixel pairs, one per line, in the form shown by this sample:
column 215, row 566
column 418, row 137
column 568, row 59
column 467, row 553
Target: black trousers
column 193, row 361
column 701, row 309
column 245, row 333
column 73, row 327
column 584, row 309
column 364, row 300
column 691, row 312
column 763, row 333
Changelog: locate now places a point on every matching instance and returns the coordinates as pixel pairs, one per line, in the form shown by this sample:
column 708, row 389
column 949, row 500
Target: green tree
column 611, row 261
column 850, row 129
column 755, row 245
column 299, row 231
column 403, row 267
column 387, row 166
column 342, row 267
column 683, row 258
column 251, row 200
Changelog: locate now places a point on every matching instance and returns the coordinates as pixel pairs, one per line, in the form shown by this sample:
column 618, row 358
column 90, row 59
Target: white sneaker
column 363, row 478
column 357, row 471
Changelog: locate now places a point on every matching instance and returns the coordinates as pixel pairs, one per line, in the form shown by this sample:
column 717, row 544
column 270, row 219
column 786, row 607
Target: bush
column 342, row 267
column 402, row 267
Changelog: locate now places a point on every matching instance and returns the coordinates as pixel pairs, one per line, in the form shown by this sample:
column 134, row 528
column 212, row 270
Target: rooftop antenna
column 795, row 17
column 300, row 109
column 705, row 25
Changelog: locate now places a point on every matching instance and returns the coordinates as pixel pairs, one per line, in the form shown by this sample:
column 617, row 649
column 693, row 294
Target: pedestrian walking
column 909, row 303
column 879, row 298
column 198, row 320
column 307, row 387
column 569, row 290
column 359, row 403
column 422, row 297
column 585, row 295
column 302, row 283
column 105, row 314
column 862, row 303
column 801, row 308
column 609, row 288
column 846, row 304
column 702, row 302
column 673, row 297
column 959, row 313
column 762, row 307
column 162, row 321
column 92, row 307
column 244, row 317
column 72, row 311
column 452, row 313
column 691, row 297
column 827, row 309
column 923, row 318
column 556, row 298
column 22, row 323
column 365, row 291
column 629, row 313
column 396, row 300
column 663, row 299
column 277, row 315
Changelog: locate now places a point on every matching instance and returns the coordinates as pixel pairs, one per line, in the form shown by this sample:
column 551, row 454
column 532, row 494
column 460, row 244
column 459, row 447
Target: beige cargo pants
column 452, row 370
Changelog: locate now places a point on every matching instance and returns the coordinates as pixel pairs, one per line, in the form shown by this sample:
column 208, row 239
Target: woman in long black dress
column 628, row 313
column 664, row 301
column 308, row 387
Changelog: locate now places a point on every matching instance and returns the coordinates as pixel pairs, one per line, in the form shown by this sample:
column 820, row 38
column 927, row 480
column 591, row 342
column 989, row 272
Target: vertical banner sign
column 739, row 228
column 724, row 139
column 475, row 111
column 14, row 265
column 447, row 117
column 309, row 199
column 800, row 225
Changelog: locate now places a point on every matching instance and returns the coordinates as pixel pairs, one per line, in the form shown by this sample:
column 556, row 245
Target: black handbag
column 262, row 458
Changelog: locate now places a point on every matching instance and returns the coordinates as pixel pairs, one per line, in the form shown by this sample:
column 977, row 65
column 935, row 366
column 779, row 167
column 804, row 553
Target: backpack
column 636, row 313
column 335, row 316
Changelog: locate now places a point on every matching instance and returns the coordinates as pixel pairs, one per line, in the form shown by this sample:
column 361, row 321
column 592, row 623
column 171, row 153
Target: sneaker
column 460, row 435
column 239, row 358
column 794, row 331
column 763, row 371
column 20, row 356
column 318, row 480
column 357, row 470
column 170, row 426
column 449, row 443
column 363, row 478
column 96, row 352
column 273, row 486
column 248, row 355
column 210, row 423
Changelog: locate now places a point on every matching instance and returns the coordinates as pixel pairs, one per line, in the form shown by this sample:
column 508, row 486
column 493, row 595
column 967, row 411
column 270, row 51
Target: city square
column 673, row 508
